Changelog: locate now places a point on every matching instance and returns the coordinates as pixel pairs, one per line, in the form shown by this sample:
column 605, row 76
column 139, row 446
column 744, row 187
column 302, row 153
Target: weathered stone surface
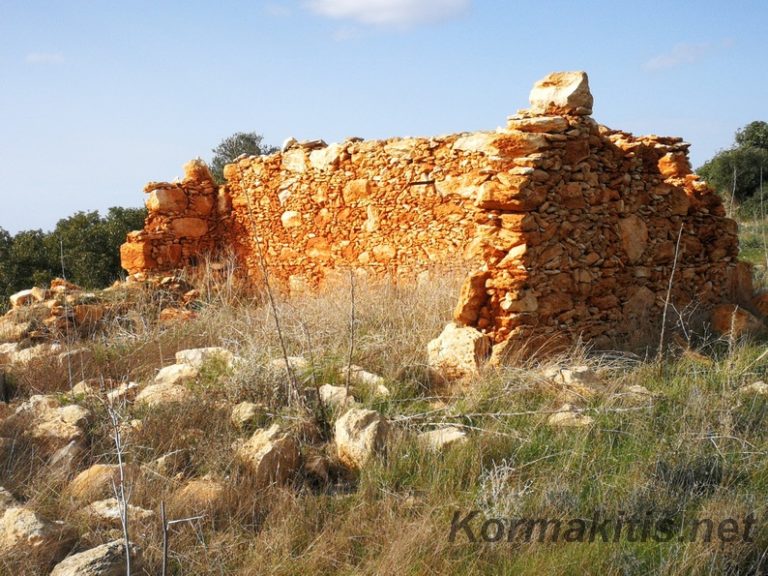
column 731, row 320
column 439, row 439
column 562, row 93
column 105, row 560
column 296, row 363
column 458, row 352
column 167, row 200
column 23, row 533
column 107, row 513
column 758, row 388
column 335, row 396
column 189, row 227
column 27, row 297
column 178, row 374
column 95, row 483
column 360, row 434
column 196, row 357
column 272, row 456
column 567, row 416
column 52, row 424
column 156, row 395
column 358, row 376
column 634, row 237
column 201, row 496
column 245, row 414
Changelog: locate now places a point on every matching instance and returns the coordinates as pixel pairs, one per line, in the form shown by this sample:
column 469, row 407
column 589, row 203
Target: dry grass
column 695, row 449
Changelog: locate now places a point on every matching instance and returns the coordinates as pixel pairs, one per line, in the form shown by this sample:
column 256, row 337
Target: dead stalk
column 120, row 495
column 166, row 541
column 660, row 355
column 351, row 328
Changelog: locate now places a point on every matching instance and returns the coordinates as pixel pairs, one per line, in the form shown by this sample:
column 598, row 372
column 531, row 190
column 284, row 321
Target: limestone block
column 189, row 227
column 167, row 200
column 562, row 93
column 458, row 352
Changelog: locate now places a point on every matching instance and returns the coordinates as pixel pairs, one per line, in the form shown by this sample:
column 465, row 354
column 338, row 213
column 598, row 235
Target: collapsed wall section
column 567, row 230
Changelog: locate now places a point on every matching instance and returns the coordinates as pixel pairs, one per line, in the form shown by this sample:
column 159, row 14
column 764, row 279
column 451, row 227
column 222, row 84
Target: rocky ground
column 174, row 409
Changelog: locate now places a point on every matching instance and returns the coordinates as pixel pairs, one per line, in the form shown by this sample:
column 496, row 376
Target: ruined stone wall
column 181, row 225
column 568, row 229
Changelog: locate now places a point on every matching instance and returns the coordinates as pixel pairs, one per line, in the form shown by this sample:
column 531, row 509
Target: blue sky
column 99, row 97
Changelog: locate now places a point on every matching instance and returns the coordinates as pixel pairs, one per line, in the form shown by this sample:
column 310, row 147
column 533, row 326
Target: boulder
column 335, row 396
column 271, row 455
column 24, row 534
column 297, row 363
column 51, row 424
column 562, row 93
column 201, row 496
column 364, row 379
column 360, row 434
column 96, row 483
column 107, row 513
column 27, row 297
column 177, row 374
column 246, row 414
column 157, row 395
column 758, row 388
column 458, row 352
column 105, row 560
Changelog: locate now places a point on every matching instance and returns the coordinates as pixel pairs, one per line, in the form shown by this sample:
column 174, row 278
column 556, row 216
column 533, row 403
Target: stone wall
column 566, row 229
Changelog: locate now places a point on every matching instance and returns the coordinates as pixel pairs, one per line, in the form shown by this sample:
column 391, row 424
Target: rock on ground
column 458, row 352
column 105, row 560
column 156, row 395
column 437, row 440
column 95, row 483
column 196, row 357
column 568, row 416
column 359, row 435
column 51, row 423
column 177, row 374
column 24, row 533
column 271, row 455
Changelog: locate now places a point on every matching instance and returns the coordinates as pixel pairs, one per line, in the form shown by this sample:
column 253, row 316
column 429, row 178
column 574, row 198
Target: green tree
column 91, row 244
column 754, row 134
column 88, row 245
column 248, row 143
column 742, row 165
column 739, row 170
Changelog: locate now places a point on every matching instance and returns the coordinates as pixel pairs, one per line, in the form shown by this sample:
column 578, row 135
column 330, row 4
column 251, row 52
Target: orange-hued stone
column 136, row 256
column 563, row 229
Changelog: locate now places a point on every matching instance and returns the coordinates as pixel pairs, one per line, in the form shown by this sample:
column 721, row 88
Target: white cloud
column 680, row 55
column 44, row 58
column 390, row 12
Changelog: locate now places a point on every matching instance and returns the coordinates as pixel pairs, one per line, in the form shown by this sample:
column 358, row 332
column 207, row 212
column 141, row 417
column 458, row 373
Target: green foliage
column 87, row 244
column 249, row 143
column 738, row 172
column 754, row 134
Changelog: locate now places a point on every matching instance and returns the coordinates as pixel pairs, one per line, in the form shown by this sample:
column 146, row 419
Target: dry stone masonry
column 567, row 230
